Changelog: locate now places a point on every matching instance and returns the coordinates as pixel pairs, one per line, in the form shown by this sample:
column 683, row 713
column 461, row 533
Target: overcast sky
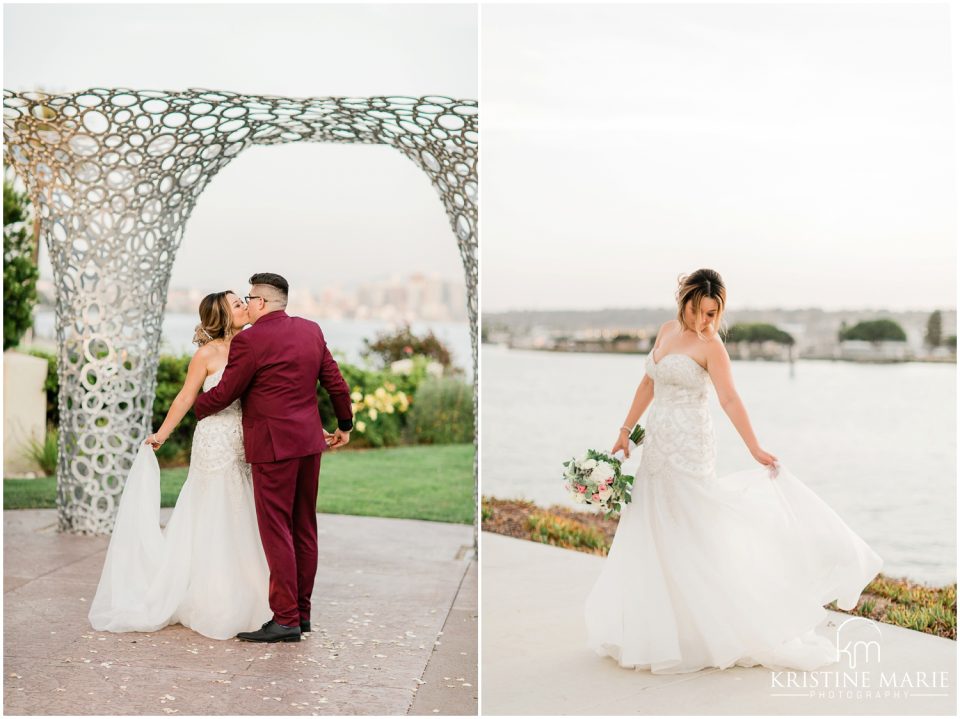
column 803, row 151
column 319, row 214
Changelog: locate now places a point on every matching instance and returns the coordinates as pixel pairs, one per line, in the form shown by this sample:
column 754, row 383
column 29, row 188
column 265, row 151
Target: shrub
column 19, row 268
column 380, row 400
column 44, row 454
column 171, row 374
column 442, row 412
column 403, row 344
column 567, row 533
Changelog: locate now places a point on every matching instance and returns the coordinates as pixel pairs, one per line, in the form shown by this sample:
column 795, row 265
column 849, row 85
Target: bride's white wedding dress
column 206, row 570
column 713, row 572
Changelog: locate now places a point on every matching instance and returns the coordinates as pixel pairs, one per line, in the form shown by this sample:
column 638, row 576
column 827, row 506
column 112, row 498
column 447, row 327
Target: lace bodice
column 679, row 443
column 678, row 379
column 218, row 438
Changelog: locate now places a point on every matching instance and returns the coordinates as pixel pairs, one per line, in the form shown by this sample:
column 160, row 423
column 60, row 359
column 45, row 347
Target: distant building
column 414, row 298
column 768, row 350
column 884, row 351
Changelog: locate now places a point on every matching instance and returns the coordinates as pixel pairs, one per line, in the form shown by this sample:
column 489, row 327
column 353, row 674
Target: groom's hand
column 339, row 439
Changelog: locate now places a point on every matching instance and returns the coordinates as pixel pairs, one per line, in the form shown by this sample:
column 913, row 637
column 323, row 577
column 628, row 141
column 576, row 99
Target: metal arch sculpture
column 114, row 175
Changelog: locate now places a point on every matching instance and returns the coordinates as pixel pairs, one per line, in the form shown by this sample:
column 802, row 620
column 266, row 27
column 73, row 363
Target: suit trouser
column 285, row 495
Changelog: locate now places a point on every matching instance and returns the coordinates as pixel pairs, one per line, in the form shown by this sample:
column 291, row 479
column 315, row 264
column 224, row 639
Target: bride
column 207, row 569
column 707, row 571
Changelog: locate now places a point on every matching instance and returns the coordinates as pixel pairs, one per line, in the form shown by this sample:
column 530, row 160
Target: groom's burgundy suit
column 273, row 367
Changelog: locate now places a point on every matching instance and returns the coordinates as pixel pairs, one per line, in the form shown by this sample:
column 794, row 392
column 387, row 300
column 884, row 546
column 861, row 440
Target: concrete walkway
column 385, row 590
column 450, row 680
column 535, row 660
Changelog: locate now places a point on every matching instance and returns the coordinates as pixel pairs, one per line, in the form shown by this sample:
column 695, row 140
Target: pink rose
column 596, row 498
column 581, row 488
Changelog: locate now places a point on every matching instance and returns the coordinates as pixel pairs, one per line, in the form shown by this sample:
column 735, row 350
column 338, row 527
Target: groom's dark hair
column 268, row 278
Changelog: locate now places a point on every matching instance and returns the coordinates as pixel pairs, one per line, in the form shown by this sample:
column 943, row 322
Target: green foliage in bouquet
column 582, row 482
column 577, row 473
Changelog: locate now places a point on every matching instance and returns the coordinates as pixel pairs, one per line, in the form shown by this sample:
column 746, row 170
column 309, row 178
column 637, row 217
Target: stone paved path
column 383, row 593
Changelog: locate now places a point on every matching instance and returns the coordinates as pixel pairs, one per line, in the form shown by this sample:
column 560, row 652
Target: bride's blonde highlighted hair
column 695, row 288
column 216, row 318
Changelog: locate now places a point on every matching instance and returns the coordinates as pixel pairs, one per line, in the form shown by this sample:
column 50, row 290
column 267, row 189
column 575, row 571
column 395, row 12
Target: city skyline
column 397, row 298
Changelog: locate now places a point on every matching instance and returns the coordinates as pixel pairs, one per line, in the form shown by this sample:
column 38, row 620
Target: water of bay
column 876, row 442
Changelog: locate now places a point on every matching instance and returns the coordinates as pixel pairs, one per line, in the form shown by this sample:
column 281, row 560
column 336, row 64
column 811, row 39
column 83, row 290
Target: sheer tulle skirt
column 735, row 570
column 206, row 569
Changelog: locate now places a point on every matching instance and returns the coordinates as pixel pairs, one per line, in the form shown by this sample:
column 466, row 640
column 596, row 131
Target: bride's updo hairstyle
column 696, row 287
column 216, row 321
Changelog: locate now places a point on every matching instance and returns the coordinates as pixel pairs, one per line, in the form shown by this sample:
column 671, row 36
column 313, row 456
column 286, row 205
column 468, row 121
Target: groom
column 273, row 367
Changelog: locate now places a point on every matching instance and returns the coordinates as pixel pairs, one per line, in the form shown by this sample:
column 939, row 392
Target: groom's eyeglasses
column 247, row 298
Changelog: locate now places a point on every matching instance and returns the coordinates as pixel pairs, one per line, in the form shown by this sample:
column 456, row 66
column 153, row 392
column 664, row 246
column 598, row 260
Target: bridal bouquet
column 596, row 479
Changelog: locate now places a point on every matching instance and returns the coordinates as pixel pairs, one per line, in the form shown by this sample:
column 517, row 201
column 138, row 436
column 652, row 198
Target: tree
column 875, row 331
column 934, row 336
column 19, row 270
column 403, row 344
column 757, row 332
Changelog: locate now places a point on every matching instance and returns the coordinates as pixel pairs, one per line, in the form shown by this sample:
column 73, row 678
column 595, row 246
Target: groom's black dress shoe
column 305, row 627
column 272, row 632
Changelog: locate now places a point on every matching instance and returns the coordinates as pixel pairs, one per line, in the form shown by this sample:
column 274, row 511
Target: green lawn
column 432, row 482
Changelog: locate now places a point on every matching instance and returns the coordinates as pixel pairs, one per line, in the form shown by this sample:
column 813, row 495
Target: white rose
column 605, row 493
column 588, row 464
column 602, row 472
column 580, row 498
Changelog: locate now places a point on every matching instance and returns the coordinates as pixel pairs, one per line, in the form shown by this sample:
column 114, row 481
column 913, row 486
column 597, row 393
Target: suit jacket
column 273, row 368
